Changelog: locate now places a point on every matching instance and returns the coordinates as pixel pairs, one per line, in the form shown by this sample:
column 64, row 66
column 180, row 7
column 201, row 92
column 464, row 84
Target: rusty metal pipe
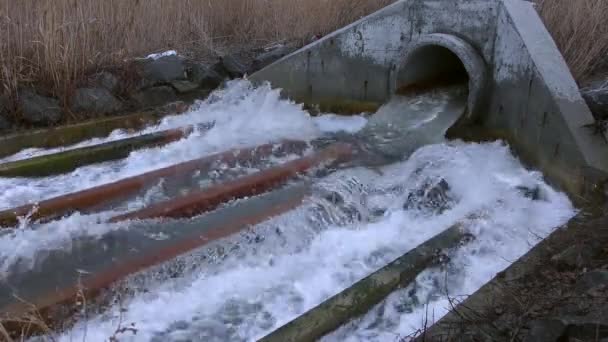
column 58, row 304
column 53, row 306
column 250, row 185
column 99, row 195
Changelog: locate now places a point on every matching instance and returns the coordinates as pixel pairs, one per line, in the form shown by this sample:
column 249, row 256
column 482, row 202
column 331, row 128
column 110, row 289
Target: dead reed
column 580, row 29
column 53, row 43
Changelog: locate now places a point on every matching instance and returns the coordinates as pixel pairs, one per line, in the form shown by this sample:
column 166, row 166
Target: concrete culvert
column 441, row 59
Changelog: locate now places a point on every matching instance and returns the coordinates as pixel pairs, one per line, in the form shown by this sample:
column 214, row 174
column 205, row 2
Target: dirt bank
column 556, row 292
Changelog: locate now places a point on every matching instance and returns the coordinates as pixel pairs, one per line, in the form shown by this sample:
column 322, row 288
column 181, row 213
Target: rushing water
column 356, row 221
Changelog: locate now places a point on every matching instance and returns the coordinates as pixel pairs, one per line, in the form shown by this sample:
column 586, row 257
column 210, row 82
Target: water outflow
column 356, row 220
column 406, row 123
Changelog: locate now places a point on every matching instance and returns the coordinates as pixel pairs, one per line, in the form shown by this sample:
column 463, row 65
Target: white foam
column 243, row 117
column 156, row 56
column 340, row 123
column 258, row 288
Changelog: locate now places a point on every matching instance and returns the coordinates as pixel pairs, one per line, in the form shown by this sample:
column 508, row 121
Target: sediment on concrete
column 73, row 134
column 96, row 197
column 363, row 295
column 54, row 290
column 63, row 162
column 250, row 185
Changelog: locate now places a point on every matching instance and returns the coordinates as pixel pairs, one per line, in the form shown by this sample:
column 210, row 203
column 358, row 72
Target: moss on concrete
column 363, row 295
column 67, row 161
column 72, row 134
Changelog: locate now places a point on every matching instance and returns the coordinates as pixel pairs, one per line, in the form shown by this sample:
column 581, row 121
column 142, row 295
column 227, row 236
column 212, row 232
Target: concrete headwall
column 520, row 88
column 358, row 64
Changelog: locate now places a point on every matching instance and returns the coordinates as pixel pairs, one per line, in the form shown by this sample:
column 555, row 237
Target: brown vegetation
column 55, row 42
column 580, row 29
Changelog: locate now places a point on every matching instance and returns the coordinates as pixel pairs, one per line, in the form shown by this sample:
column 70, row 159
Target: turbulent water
column 356, row 221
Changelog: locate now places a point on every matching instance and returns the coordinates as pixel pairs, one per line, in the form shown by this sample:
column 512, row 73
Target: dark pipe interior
column 429, row 67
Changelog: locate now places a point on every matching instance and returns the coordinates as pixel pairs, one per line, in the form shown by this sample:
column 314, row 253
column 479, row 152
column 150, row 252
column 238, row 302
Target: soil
column 556, row 292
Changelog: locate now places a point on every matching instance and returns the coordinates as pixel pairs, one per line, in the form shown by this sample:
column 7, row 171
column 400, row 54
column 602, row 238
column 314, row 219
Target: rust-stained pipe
column 96, row 196
column 250, row 185
column 48, row 306
column 51, row 307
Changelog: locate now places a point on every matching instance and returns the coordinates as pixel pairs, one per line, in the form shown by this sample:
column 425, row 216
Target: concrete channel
column 519, row 90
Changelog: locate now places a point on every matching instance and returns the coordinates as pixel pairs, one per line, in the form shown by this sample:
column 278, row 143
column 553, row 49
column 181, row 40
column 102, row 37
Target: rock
column 204, row 76
column 271, row 56
column 232, row 66
column 587, row 328
column 184, row 86
column 596, row 97
column 164, row 70
column 5, row 123
column 177, row 107
column 435, row 198
column 591, row 280
column 39, row 110
column 95, row 101
column 155, row 96
column 104, row 80
column 545, row 330
column 533, row 193
column 573, row 256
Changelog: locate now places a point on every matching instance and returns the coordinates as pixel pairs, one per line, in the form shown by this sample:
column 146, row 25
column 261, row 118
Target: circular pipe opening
column 437, row 60
column 429, row 67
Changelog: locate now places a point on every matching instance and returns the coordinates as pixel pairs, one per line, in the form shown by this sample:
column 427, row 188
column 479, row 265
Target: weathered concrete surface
column 526, row 95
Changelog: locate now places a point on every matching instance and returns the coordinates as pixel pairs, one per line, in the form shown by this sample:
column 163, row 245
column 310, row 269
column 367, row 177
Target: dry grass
column 56, row 41
column 580, row 29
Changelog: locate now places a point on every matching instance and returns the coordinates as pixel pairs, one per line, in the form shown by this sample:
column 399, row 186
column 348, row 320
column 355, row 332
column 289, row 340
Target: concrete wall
column 358, row 63
column 526, row 96
column 537, row 105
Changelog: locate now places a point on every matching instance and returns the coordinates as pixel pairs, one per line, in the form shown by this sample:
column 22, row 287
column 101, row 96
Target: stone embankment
column 141, row 85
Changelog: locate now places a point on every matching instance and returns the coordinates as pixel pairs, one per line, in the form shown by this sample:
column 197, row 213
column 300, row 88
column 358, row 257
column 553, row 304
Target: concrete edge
column 555, row 73
column 486, row 298
column 254, row 78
